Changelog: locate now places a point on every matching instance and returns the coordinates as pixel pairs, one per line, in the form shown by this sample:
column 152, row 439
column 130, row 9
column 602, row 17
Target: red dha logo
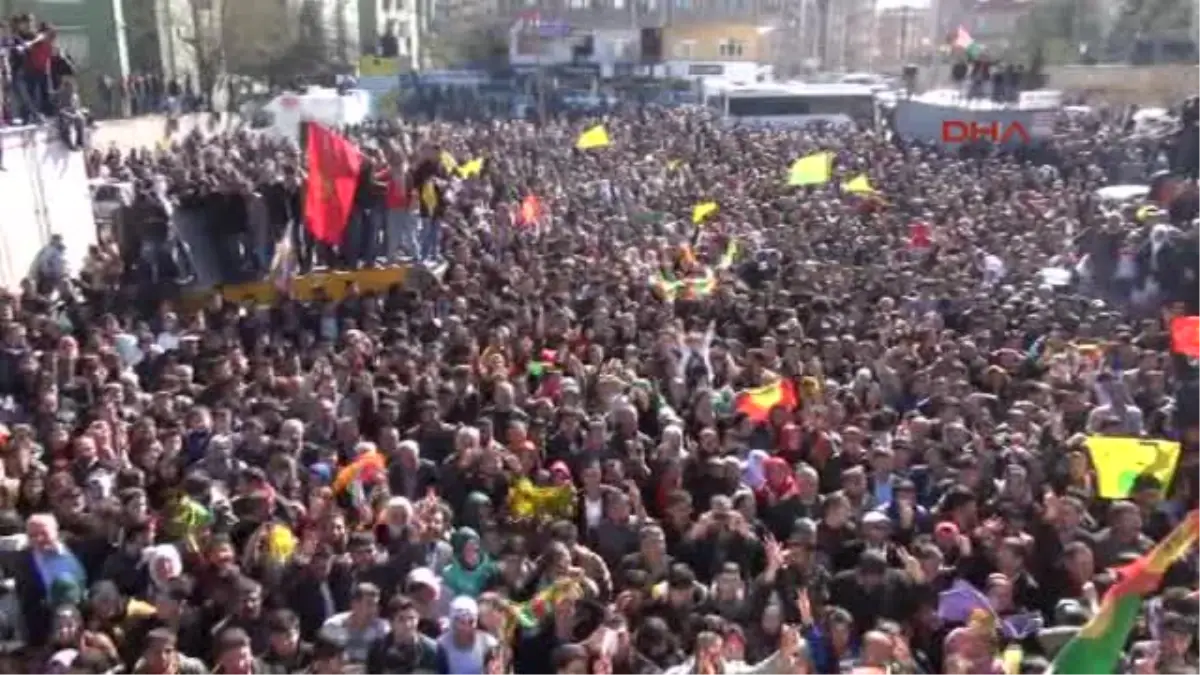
column 960, row 131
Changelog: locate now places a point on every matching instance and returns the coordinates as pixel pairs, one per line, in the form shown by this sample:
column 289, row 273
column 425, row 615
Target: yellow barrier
column 378, row 66
column 333, row 282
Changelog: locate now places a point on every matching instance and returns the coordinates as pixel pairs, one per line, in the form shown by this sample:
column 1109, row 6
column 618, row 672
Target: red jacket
column 40, row 53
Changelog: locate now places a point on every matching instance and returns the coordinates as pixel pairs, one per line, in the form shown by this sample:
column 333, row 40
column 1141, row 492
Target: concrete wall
column 1163, row 84
column 1166, row 84
column 703, row 41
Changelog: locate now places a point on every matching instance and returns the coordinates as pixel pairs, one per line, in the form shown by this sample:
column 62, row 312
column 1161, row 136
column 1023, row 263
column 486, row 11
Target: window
column 684, row 49
column 767, row 106
column 621, row 49
column 859, row 108
column 683, row 4
column 577, row 4
column 730, row 48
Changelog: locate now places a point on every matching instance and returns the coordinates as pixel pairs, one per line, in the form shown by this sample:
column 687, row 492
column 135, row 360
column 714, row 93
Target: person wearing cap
column 462, row 648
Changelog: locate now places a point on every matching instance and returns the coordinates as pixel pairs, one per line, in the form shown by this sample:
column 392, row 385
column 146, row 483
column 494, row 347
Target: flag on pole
column 859, row 185
column 730, row 254
column 1099, row 645
column 966, row 44
column 758, row 403
column 471, row 168
column 334, row 165
column 596, row 137
column 811, row 170
column 366, row 467
column 701, row 212
column 1185, row 336
column 1120, row 461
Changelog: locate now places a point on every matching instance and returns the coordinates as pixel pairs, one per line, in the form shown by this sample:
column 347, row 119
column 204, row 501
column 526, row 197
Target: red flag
column 333, row 167
column 1185, row 336
column 918, row 234
column 531, row 211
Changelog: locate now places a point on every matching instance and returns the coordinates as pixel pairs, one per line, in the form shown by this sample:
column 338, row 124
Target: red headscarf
column 780, row 482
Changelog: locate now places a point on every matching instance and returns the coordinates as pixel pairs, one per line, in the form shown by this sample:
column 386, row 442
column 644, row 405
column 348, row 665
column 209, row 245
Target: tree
column 1059, row 31
column 273, row 41
column 458, row 44
column 309, row 55
column 256, row 35
column 1149, row 19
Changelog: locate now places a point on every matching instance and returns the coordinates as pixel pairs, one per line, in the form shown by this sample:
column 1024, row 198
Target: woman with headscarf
column 778, row 483
column 470, row 571
column 163, row 563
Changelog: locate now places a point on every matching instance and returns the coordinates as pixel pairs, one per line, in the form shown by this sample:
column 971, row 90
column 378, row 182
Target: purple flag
column 956, row 604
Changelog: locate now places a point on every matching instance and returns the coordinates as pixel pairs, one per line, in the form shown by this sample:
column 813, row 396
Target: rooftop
column 1040, row 99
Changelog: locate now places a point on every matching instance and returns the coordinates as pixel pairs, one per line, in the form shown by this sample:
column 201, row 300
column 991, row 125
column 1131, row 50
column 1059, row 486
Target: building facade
column 90, row 31
column 903, row 37
column 994, row 23
column 387, row 26
column 609, row 32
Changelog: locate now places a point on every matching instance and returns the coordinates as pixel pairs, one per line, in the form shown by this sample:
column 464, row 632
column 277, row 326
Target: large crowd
column 546, row 460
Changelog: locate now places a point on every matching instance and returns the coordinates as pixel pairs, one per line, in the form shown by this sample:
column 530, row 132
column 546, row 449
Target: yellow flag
column 429, row 197
column 471, row 168
column 281, row 543
column 448, row 162
column 1011, row 658
column 673, row 164
column 526, row 500
column 730, row 254
column 596, row 137
column 859, row 185
column 1119, row 461
column 811, row 170
column 703, row 210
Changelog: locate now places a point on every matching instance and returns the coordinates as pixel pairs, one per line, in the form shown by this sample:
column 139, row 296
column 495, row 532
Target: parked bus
column 780, row 104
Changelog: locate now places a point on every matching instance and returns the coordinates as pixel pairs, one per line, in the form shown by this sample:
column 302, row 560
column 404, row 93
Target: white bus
column 794, row 104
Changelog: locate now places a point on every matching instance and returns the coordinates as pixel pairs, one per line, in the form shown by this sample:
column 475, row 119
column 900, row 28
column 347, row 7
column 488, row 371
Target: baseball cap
column 423, row 576
column 464, row 607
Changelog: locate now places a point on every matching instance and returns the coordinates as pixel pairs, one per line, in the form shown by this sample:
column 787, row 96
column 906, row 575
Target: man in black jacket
column 404, row 650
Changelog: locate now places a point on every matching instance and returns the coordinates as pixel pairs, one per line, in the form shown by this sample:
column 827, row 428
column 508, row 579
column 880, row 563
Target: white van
column 282, row 116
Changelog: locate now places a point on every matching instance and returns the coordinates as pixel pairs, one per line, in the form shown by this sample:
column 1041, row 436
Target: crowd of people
column 546, row 462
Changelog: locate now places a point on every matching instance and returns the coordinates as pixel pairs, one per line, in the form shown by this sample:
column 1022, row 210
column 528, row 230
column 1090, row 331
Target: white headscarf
column 752, row 474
